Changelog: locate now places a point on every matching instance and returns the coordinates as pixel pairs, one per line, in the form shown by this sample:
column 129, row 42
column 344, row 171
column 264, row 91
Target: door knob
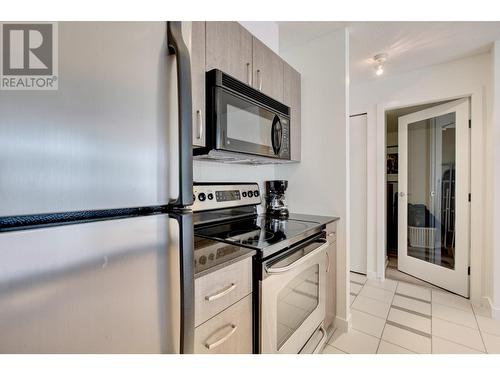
column 401, row 194
column 433, row 193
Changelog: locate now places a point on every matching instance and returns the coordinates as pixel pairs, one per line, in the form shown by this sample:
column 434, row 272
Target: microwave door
column 244, row 126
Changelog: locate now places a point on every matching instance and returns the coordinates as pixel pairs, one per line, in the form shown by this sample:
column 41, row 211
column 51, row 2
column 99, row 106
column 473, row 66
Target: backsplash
column 209, row 171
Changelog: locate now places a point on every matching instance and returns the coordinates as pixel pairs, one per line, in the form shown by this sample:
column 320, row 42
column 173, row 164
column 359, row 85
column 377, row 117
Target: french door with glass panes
column 433, row 203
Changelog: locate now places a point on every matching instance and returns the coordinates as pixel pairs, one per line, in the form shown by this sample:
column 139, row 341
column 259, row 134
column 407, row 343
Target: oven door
column 245, row 126
column 293, row 295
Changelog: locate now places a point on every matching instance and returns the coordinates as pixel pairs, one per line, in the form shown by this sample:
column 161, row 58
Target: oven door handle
column 319, row 249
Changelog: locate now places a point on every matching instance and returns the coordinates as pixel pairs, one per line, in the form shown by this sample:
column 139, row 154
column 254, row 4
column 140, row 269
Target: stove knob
column 210, row 196
column 202, row 197
column 256, row 193
column 203, row 260
column 250, row 194
column 244, row 194
column 211, row 257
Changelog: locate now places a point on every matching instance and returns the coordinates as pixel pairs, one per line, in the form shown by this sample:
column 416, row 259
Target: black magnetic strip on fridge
column 23, row 222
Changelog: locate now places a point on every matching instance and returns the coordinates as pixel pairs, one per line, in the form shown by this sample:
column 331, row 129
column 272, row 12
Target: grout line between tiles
column 376, row 316
column 461, row 343
column 385, row 323
column 409, row 329
column 414, row 298
column 411, row 311
column 399, row 346
column 336, row 348
column 459, row 324
column 480, row 333
column 355, row 282
column 453, row 307
column 374, row 299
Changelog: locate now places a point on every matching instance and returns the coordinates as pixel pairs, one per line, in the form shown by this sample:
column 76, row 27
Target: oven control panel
column 208, row 196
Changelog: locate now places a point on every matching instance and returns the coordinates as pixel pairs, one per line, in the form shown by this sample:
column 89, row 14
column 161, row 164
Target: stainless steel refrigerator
column 96, row 242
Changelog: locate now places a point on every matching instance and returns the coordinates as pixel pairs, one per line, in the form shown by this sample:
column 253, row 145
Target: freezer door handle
column 186, row 248
column 177, row 47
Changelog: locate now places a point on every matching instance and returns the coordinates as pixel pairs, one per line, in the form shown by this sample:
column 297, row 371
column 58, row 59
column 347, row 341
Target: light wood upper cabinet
column 267, row 71
column 292, row 98
column 197, row 51
column 229, row 48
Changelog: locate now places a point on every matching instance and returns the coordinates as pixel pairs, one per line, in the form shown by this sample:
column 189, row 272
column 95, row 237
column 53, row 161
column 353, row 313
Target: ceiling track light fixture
column 379, row 60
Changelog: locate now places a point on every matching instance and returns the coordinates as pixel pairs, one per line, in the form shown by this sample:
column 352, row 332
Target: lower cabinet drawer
column 229, row 332
column 220, row 289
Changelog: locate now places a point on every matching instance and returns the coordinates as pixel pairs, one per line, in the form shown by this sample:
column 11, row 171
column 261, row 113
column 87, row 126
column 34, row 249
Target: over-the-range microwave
column 242, row 123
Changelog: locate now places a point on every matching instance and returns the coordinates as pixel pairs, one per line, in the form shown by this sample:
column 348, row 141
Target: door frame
column 378, row 221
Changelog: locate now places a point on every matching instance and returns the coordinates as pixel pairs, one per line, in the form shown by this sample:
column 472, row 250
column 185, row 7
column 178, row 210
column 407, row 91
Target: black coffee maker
column 275, row 199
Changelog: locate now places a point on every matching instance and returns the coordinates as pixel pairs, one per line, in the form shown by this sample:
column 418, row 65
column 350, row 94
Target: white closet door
column 357, row 160
column 434, row 186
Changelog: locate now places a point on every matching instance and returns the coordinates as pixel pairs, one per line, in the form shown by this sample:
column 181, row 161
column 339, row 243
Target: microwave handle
column 319, row 249
column 276, row 148
column 177, row 47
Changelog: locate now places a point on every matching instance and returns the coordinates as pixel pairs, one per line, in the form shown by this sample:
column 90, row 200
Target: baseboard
column 495, row 313
column 486, row 304
column 343, row 325
column 494, row 310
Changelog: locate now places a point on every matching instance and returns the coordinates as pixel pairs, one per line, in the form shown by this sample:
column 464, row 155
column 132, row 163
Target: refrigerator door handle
column 186, row 258
column 177, row 46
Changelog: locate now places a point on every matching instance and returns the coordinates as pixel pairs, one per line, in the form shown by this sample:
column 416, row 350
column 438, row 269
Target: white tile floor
column 396, row 317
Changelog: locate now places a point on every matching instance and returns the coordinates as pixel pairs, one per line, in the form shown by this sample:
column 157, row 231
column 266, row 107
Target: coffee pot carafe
column 275, row 198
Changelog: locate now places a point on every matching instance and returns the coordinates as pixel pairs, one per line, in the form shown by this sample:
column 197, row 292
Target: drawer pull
column 234, row 327
column 222, row 293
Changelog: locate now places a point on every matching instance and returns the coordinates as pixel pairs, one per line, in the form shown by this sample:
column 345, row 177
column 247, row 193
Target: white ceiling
column 410, row 45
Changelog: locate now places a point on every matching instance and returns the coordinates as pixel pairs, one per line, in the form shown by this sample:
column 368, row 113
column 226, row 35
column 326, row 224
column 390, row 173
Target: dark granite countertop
column 322, row 220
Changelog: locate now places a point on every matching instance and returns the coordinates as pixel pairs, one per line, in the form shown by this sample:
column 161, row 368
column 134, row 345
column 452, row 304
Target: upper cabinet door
column 267, row 71
column 229, row 48
column 292, row 98
column 198, row 81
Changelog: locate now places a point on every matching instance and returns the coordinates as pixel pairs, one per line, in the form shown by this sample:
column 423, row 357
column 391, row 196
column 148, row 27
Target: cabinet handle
column 249, row 74
column 222, row 293
column 223, row 339
column 200, row 124
column 259, row 79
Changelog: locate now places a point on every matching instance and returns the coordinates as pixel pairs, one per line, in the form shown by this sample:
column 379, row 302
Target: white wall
column 357, row 211
column 320, row 183
column 268, row 33
column 493, row 154
column 430, row 84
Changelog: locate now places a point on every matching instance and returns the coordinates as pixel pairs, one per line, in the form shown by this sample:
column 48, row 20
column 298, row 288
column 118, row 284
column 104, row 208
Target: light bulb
column 380, row 70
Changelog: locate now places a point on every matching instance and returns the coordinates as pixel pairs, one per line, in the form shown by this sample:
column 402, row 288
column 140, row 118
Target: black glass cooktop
column 257, row 232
